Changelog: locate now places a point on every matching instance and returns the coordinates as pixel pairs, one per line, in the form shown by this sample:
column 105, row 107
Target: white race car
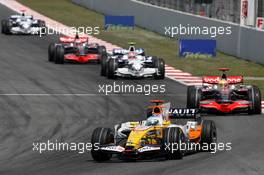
column 132, row 63
column 22, row 24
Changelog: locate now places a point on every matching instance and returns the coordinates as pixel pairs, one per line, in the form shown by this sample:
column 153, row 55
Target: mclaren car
column 76, row 49
column 224, row 94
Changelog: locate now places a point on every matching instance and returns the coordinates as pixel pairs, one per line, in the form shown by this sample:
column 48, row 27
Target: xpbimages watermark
column 49, row 30
column 80, row 147
column 185, row 30
column 145, row 89
column 191, row 146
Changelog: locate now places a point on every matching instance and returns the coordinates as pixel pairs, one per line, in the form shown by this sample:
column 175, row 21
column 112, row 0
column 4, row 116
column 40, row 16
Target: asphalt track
column 32, row 117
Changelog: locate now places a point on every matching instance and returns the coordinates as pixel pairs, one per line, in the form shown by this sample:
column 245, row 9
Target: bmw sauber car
column 23, row 24
column 157, row 136
column 132, row 63
column 224, row 94
column 76, row 49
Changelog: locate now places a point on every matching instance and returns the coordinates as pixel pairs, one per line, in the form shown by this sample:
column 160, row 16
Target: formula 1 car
column 23, row 24
column 132, row 63
column 75, row 49
column 224, row 94
column 159, row 136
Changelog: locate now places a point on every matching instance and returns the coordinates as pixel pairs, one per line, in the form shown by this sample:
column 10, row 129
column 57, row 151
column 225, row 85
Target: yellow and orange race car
column 167, row 132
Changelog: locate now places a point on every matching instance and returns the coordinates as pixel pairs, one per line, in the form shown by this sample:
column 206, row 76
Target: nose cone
column 137, row 66
column 26, row 26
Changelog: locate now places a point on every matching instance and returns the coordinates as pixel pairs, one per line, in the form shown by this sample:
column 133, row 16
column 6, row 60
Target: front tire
column 59, row 55
column 103, row 65
column 101, row 136
column 5, row 27
column 209, row 134
column 51, row 52
column 111, row 69
column 171, row 137
column 254, row 95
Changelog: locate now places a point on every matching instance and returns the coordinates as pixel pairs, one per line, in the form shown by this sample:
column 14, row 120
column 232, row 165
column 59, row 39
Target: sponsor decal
column 148, row 148
column 119, row 22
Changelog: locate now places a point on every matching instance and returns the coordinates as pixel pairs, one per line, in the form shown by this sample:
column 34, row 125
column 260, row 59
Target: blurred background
column 227, row 10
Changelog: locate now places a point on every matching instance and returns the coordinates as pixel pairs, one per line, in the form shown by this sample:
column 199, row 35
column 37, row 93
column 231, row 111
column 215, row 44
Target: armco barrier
column 244, row 42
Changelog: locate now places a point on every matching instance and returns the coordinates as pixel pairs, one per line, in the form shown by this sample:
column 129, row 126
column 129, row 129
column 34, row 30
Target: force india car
column 159, row 136
column 132, row 63
column 75, row 49
column 22, row 24
column 224, row 94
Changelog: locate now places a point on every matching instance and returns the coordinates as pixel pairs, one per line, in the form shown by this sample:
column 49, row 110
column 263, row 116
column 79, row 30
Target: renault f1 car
column 224, row 94
column 132, row 63
column 159, row 136
column 75, row 49
column 22, row 24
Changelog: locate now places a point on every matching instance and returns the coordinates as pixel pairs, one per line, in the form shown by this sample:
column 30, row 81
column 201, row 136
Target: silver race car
column 132, row 62
column 22, row 24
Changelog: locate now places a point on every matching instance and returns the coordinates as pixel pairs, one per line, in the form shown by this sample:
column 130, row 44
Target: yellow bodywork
column 152, row 135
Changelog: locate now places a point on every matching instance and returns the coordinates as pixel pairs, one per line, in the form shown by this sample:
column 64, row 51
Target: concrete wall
column 244, row 42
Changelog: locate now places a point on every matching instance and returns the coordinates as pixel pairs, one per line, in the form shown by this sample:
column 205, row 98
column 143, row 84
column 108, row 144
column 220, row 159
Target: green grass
column 73, row 15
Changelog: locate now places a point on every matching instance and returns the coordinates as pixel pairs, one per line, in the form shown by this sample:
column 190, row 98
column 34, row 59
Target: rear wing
column 71, row 39
column 216, row 79
column 183, row 113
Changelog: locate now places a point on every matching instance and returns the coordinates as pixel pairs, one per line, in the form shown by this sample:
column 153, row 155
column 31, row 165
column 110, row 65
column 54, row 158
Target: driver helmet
column 154, row 120
column 223, row 83
column 131, row 55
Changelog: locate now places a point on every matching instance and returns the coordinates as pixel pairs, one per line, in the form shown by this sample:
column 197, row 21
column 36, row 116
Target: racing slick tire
column 111, row 68
column 103, row 65
column 5, row 27
column 208, row 135
column 102, row 52
column 193, row 97
column 51, row 52
column 59, row 55
column 101, row 136
column 254, row 95
column 172, row 138
column 42, row 25
column 160, row 65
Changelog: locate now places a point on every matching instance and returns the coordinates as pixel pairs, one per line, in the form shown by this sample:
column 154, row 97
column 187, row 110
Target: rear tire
column 111, row 68
column 254, row 95
column 51, row 52
column 193, row 97
column 171, row 137
column 101, row 136
column 59, row 55
column 160, row 65
column 209, row 134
